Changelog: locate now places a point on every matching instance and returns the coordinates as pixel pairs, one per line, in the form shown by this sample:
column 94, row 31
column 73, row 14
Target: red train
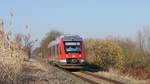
column 67, row 51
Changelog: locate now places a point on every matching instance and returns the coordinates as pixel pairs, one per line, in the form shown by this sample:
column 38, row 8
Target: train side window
column 54, row 50
column 49, row 50
column 57, row 49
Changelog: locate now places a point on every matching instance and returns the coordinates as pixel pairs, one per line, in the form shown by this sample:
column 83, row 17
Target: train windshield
column 73, row 47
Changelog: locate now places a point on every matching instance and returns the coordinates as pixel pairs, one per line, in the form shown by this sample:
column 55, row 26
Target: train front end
column 73, row 52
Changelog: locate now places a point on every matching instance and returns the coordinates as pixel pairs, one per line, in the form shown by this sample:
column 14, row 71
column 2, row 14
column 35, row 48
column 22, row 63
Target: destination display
column 72, row 43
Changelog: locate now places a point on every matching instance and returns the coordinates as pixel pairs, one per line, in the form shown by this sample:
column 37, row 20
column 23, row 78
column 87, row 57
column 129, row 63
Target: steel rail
column 82, row 78
column 103, row 78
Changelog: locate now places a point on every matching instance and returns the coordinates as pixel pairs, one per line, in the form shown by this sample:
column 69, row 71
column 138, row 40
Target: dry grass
column 11, row 60
column 114, row 74
column 37, row 71
column 34, row 64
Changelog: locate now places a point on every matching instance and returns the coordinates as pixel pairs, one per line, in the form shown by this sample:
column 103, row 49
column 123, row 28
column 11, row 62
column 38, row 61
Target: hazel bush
column 105, row 54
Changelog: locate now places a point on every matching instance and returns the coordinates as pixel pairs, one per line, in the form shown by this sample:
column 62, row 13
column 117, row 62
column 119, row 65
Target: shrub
column 103, row 53
column 134, row 55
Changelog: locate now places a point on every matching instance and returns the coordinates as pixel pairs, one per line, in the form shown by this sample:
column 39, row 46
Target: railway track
column 100, row 78
column 91, row 78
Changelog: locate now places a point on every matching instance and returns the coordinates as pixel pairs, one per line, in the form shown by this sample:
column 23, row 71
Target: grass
column 116, row 75
column 11, row 60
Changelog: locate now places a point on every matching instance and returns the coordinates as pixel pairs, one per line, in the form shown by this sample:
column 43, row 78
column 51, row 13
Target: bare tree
column 28, row 44
column 18, row 38
column 1, row 25
column 42, row 50
column 24, row 42
column 143, row 39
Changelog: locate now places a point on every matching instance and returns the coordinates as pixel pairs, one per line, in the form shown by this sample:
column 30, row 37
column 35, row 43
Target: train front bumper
column 66, row 65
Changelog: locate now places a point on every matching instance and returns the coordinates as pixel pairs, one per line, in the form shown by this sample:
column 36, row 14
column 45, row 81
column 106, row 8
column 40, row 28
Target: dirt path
column 38, row 72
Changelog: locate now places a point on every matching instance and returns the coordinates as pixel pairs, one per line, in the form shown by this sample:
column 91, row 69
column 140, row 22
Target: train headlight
column 80, row 55
column 73, row 56
column 82, row 60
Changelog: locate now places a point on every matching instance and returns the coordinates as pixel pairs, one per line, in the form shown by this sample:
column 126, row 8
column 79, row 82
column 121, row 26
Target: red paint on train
column 60, row 51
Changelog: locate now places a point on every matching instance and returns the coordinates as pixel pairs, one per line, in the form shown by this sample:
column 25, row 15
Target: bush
column 135, row 57
column 105, row 54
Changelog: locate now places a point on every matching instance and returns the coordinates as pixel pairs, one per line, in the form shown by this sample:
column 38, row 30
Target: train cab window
column 73, row 47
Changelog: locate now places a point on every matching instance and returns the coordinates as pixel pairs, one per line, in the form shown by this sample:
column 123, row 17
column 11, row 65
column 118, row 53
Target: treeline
column 132, row 52
column 130, row 56
column 42, row 50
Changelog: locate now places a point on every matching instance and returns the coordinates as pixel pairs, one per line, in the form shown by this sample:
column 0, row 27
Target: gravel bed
column 38, row 72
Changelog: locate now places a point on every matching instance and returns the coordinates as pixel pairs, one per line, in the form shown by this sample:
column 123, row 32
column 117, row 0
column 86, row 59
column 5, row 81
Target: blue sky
column 88, row 18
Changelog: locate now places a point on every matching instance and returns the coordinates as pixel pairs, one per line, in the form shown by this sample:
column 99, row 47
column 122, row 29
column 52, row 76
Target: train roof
column 66, row 37
column 70, row 37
